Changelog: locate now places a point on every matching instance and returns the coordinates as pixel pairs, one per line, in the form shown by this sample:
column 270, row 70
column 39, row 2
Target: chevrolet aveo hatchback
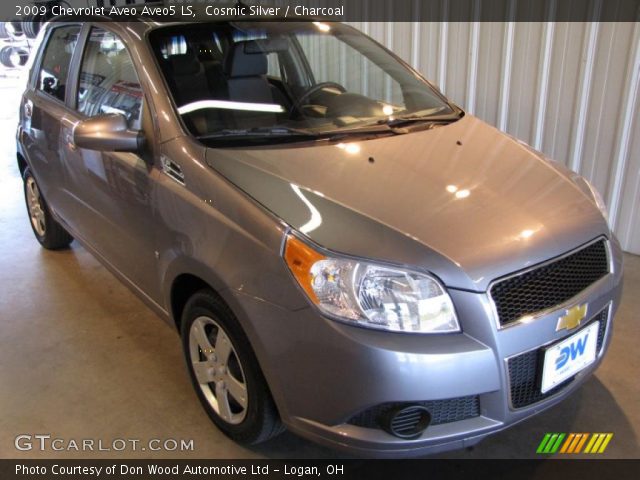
column 344, row 251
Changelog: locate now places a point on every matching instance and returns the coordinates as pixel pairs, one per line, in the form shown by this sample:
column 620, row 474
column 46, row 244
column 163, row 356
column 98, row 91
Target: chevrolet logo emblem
column 572, row 318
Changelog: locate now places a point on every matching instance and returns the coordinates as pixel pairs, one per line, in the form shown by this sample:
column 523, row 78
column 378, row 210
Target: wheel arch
column 183, row 287
column 22, row 163
column 182, row 277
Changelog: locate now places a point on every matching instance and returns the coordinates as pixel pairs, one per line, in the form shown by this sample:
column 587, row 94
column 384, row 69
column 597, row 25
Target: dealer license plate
column 563, row 360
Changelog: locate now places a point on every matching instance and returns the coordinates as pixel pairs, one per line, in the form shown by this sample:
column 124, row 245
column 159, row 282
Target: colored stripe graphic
column 596, row 446
column 592, row 440
column 567, row 443
column 556, row 445
column 581, row 443
column 550, row 443
column 574, row 442
column 543, row 443
column 598, row 442
column 574, row 446
column 605, row 442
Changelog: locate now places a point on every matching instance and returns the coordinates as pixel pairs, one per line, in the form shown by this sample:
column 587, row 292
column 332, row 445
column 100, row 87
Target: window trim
column 73, row 101
column 151, row 131
column 37, row 67
column 75, row 67
column 179, row 122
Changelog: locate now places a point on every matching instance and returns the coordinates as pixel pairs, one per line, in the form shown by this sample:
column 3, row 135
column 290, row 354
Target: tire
column 15, row 32
column 22, row 57
column 5, row 56
column 48, row 232
column 31, row 26
column 3, row 30
column 215, row 345
column 16, row 57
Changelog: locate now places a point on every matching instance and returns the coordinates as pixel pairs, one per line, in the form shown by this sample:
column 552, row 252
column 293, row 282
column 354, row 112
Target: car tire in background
column 222, row 366
column 14, row 57
column 14, row 29
column 19, row 56
column 5, row 56
column 47, row 230
column 32, row 26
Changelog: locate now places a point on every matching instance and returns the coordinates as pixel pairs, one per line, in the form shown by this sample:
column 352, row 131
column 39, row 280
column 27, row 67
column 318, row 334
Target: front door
column 114, row 189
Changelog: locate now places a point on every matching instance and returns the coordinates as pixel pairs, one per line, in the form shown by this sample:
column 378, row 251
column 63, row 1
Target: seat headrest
column 185, row 63
column 244, row 59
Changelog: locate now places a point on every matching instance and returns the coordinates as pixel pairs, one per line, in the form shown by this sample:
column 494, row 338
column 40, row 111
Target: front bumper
column 323, row 373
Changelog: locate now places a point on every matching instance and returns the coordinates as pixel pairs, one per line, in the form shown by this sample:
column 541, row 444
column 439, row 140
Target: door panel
column 43, row 109
column 112, row 190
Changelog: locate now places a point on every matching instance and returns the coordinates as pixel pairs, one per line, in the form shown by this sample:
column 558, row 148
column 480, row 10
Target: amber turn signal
column 300, row 257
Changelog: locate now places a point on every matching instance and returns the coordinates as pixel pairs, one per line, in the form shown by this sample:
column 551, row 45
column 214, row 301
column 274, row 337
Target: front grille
column 441, row 411
column 551, row 284
column 525, row 370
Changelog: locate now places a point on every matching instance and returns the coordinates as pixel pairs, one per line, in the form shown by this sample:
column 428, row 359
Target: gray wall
column 568, row 89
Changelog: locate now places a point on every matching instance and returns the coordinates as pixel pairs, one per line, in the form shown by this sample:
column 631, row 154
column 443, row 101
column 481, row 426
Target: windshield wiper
column 409, row 119
column 377, row 129
column 382, row 127
column 299, row 134
column 393, row 125
column 259, row 132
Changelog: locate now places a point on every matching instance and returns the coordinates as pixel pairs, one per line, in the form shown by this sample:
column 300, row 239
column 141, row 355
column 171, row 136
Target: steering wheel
column 313, row 89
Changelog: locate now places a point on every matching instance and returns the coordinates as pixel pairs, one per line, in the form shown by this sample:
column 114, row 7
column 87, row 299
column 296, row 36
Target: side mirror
column 108, row 133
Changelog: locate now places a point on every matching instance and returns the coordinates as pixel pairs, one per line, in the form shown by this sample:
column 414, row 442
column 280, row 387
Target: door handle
column 28, row 109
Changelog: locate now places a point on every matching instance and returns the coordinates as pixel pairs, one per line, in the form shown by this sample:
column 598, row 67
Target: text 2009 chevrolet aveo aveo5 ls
column 344, row 251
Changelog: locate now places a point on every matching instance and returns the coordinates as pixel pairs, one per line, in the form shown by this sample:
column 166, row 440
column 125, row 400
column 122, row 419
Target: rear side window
column 52, row 78
column 108, row 80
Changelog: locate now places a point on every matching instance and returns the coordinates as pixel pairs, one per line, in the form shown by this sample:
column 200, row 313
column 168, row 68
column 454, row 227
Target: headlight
column 371, row 295
column 599, row 201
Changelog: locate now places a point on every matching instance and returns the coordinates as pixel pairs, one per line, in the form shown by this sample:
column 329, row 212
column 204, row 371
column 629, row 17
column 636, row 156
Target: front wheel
column 48, row 232
column 225, row 372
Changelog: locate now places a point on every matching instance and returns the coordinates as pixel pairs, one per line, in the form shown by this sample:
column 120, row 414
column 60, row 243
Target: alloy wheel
column 218, row 370
column 34, row 205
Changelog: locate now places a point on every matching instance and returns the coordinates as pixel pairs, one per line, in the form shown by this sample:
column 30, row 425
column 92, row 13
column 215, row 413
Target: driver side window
column 108, row 81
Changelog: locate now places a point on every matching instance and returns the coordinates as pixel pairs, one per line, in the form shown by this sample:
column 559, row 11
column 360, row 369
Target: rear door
column 113, row 189
column 44, row 107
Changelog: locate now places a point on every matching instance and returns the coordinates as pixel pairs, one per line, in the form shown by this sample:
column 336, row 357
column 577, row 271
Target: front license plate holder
column 568, row 357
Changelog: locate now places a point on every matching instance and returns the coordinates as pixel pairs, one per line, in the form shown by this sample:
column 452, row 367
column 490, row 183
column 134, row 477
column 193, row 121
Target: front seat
column 190, row 81
column 189, row 77
column 245, row 67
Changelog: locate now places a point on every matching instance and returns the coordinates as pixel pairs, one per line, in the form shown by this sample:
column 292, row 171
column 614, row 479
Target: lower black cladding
column 405, row 421
column 525, row 370
column 441, row 411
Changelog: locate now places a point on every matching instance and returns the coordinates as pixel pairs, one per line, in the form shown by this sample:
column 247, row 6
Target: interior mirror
column 109, row 133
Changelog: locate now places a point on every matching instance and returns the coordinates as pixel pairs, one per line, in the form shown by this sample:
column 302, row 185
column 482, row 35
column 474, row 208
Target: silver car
column 344, row 251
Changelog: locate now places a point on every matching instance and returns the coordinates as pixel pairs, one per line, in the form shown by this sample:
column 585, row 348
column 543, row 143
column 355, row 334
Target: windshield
column 277, row 80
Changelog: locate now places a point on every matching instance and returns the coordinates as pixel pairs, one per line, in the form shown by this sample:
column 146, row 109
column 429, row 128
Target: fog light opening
column 405, row 421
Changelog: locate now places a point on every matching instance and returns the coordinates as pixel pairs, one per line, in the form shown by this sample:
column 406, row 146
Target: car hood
column 464, row 201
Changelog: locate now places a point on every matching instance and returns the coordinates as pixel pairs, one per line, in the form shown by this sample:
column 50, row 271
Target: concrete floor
column 81, row 357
